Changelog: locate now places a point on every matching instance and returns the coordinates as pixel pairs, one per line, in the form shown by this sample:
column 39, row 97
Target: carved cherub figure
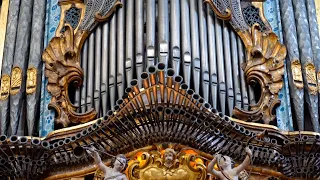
column 225, row 166
column 169, row 157
column 119, row 164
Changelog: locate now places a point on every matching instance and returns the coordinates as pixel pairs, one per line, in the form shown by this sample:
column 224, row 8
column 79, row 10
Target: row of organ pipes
column 185, row 35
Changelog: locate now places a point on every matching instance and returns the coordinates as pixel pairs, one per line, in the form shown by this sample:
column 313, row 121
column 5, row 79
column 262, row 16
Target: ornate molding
column 265, row 57
column 297, row 73
column 16, row 80
column 62, row 56
column 5, row 87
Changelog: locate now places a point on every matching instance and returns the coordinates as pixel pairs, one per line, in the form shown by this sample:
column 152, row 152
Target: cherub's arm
column 245, row 163
column 211, row 167
column 98, row 161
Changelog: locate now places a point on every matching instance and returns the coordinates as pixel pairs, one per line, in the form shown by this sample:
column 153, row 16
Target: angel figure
column 119, row 164
column 225, row 166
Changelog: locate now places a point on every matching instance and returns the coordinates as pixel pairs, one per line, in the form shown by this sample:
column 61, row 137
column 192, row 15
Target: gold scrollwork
column 318, row 78
column 311, row 78
column 297, row 74
column 5, row 87
column 16, row 80
column 31, row 80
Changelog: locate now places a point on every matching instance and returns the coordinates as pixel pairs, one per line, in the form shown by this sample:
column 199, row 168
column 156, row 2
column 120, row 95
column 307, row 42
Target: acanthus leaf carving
column 62, row 58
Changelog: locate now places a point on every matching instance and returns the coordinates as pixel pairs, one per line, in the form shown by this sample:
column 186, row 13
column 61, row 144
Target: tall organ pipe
column 84, row 65
column 204, row 51
column 163, row 31
column 314, row 33
column 112, row 60
column 186, row 41
column 235, row 69
column 244, row 90
column 305, row 49
column 21, row 61
column 290, row 37
column 120, row 50
column 139, row 33
column 220, row 63
column 97, row 70
column 175, row 34
column 36, row 48
column 129, row 40
column 212, row 58
column 9, row 48
column 151, row 32
column 90, row 72
column 105, row 69
column 195, row 45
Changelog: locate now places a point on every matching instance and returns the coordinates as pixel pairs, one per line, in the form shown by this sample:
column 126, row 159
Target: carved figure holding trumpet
column 119, row 164
column 225, row 166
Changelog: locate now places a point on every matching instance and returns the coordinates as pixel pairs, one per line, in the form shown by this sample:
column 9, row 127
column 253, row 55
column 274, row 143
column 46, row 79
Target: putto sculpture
column 225, row 166
column 119, row 164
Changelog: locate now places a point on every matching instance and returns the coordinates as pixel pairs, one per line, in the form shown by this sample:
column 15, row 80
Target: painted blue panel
column 46, row 124
column 284, row 115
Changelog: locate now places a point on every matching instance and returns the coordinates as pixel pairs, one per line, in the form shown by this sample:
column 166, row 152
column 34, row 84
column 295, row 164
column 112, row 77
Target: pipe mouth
column 168, row 111
column 216, row 131
column 176, row 111
column 182, row 112
column 178, row 79
column 201, row 100
column 45, row 144
column 125, row 96
column 242, row 129
column 214, row 111
column 152, row 69
column 193, row 119
column 45, row 155
column 247, row 132
column 99, row 121
column 51, row 147
column 73, row 138
column 78, row 135
column 233, row 124
column 195, row 96
column 305, row 138
column 170, row 72
column 23, row 140
column 188, row 115
column 206, row 105
column 273, row 141
column 161, row 66
column 317, row 137
column 190, row 91
column 20, row 158
column 94, row 126
column 89, row 129
column 61, row 143
column 134, row 82
column 222, row 115
column 159, row 108
column 3, row 138
column 144, row 75
column 296, row 139
column 110, row 113
column 27, row 160
column 317, row 155
column 11, row 158
column 39, row 163
column 128, row 90
column 13, row 138
column 84, row 132
column 286, row 141
column 35, row 142
column 116, row 107
column 55, row 145
column 184, row 86
column 119, row 102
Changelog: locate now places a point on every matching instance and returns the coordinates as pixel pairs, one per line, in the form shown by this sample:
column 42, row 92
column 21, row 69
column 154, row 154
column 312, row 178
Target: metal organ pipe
column 195, row 45
column 197, row 42
column 84, row 65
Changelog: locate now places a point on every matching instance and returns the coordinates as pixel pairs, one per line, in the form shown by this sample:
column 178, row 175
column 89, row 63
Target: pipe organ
column 185, row 35
column 141, row 77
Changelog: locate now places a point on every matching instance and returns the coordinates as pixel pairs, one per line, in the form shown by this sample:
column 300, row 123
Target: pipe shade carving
column 62, row 58
column 264, row 62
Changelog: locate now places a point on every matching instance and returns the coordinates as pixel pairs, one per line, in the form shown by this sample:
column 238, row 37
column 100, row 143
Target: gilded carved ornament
column 297, row 74
column 264, row 63
column 31, row 80
column 311, row 78
column 16, row 80
column 5, row 87
column 62, row 58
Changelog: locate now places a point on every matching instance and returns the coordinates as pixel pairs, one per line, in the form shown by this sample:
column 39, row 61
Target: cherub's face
column 119, row 164
column 168, row 157
column 225, row 161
